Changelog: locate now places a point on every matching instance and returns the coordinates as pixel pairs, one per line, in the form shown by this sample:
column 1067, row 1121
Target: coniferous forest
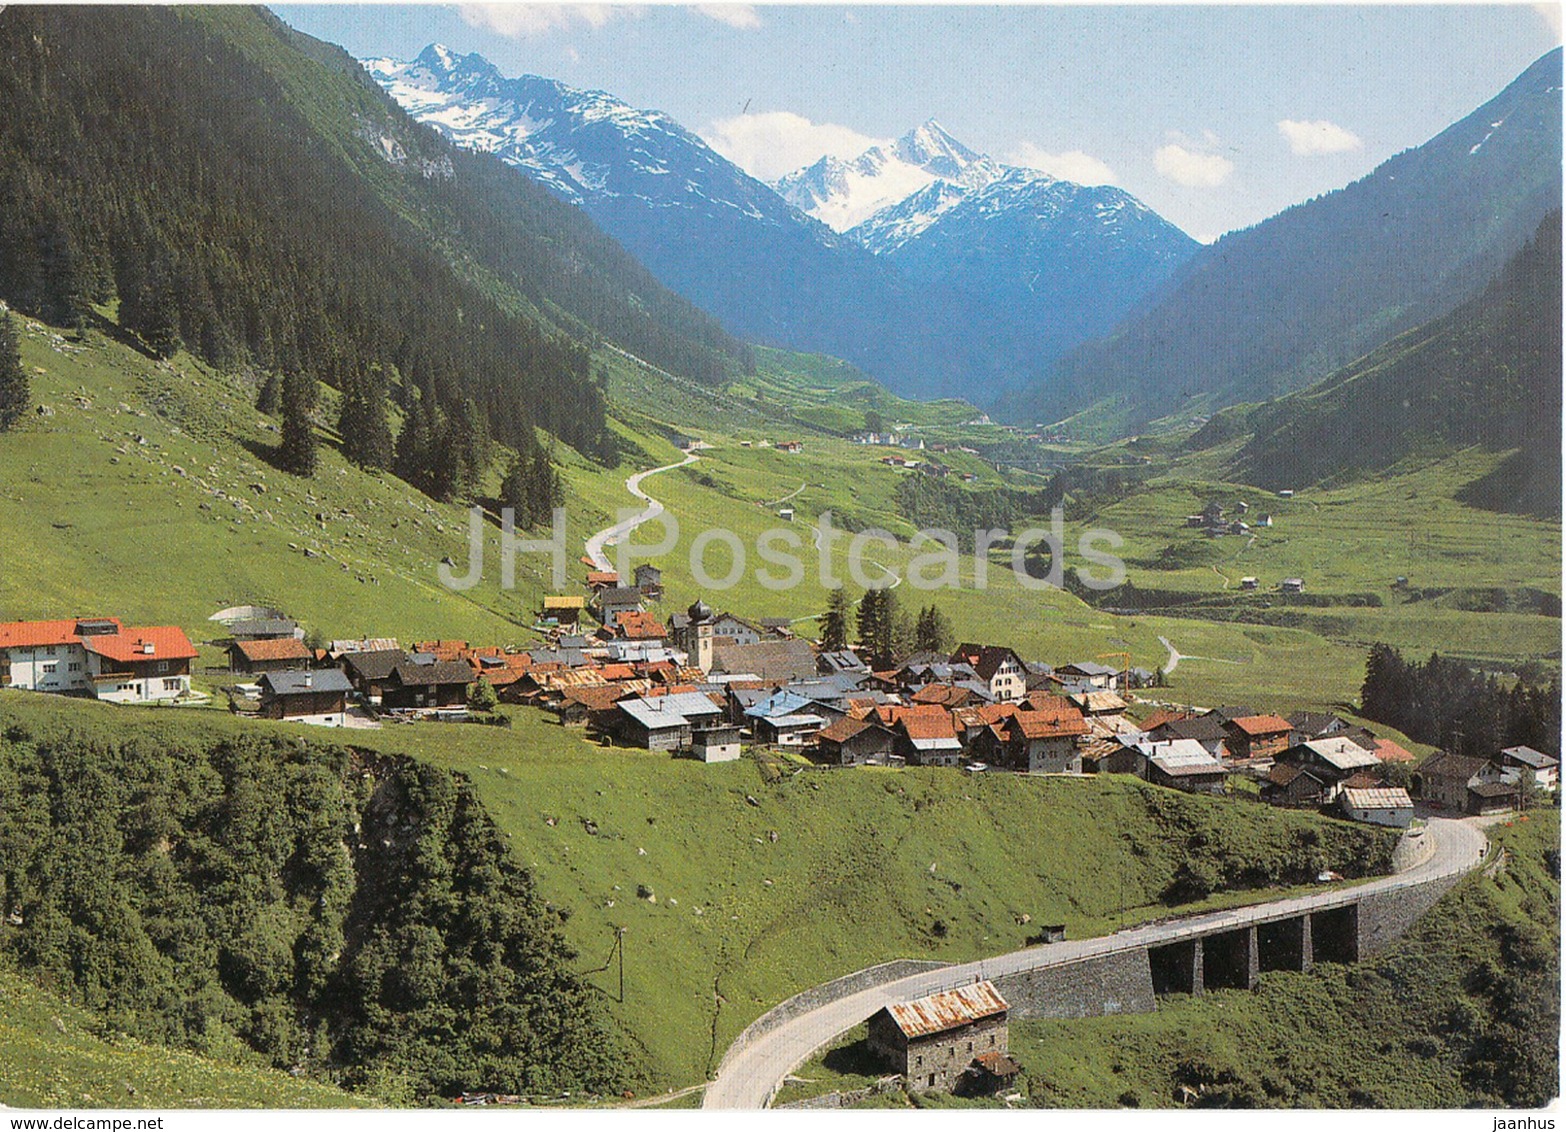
column 247, row 194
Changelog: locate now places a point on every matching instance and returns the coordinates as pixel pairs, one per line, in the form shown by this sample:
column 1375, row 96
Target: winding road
column 756, row 1064
column 609, row 536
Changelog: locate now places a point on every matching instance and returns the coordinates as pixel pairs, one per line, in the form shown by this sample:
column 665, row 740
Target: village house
column 639, row 625
column 928, row 739
column 649, row 580
column 615, row 600
column 855, row 742
column 269, row 654
column 1257, row 736
column 1523, row 763
column 1294, row 787
column 1332, row 761
column 1389, row 806
column 1182, row 764
column 593, row 707
column 936, row 1041
column 666, row 722
column 306, row 696
column 368, row 672
column 442, row 684
column 600, row 580
column 1044, row 742
column 1444, row 778
column 1090, row 674
column 777, row 661
column 841, row 660
column 96, row 657
column 1002, row 671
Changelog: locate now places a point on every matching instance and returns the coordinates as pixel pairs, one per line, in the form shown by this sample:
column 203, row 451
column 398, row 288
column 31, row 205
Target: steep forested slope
column 1489, row 373
column 247, row 192
column 355, row 918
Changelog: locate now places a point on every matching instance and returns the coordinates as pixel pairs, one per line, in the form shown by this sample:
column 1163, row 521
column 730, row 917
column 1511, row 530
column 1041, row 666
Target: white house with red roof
column 98, row 657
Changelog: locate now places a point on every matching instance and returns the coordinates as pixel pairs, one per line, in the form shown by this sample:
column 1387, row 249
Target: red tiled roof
column 639, row 626
column 130, row 644
column 1162, row 716
column 602, row 578
column 1262, row 724
column 843, row 729
column 31, row 634
column 1047, row 725
column 928, row 726
column 946, row 694
column 1389, row 752
column 284, row 648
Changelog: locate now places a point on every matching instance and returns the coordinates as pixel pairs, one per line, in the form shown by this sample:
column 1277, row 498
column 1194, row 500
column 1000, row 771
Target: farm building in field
column 1388, row 806
column 264, row 629
column 564, row 609
column 936, row 1041
column 716, row 742
column 309, row 696
column 96, row 657
column 268, row 654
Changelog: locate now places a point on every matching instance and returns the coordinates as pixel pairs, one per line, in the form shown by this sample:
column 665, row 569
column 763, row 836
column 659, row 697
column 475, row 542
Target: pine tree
column 933, row 631
column 269, row 399
column 834, row 623
column 361, row 421
column 879, row 627
column 297, row 454
column 14, row 394
column 514, row 493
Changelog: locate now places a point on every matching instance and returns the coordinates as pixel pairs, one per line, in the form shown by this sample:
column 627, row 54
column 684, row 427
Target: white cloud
column 1072, row 165
column 742, row 16
column 523, row 21
column 1551, row 14
column 776, row 142
column 1187, row 167
column 1311, row 139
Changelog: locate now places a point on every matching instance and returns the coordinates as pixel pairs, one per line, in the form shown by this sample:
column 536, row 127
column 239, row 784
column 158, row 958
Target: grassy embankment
column 1462, row 1012
column 865, row 867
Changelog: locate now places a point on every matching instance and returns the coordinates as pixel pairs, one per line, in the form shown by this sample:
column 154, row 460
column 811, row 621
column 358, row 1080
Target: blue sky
column 1217, row 117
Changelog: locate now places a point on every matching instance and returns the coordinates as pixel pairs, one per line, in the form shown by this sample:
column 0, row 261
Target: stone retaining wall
column 1120, row 983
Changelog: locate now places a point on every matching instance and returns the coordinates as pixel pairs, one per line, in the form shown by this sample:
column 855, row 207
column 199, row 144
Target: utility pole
column 620, row 944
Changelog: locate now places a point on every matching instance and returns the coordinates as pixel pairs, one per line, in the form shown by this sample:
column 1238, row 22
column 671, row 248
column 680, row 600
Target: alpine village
column 316, row 791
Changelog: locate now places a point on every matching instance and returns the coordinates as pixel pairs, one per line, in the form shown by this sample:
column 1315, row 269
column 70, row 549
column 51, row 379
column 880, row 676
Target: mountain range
column 983, row 271
column 1286, row 302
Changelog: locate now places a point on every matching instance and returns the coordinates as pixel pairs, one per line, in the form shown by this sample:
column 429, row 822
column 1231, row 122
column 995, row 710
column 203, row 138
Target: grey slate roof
column 302, row 682
column 428, row 675
column 373, row 665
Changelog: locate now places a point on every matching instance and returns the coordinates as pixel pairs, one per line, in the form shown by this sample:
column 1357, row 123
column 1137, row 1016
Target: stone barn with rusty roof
column 935, row 1041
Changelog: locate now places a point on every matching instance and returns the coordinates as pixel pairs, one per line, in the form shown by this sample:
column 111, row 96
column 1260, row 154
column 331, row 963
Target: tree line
column 887, row 632
column 1450, row 705
column 168, row 166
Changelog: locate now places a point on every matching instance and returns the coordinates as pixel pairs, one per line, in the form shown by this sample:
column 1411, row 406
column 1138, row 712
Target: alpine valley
column 317, row 791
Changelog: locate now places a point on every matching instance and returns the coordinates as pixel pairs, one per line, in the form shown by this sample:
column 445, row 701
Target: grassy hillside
column 173, row 529
column 865, row 866
column 1463, row 1012
column 55, row 1055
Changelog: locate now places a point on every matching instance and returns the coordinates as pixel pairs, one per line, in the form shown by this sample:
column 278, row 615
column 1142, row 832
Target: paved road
column 751, row 1072
column 609, row 536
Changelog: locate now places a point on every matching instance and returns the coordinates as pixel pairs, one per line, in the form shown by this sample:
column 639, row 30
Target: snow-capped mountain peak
column 844, row 194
